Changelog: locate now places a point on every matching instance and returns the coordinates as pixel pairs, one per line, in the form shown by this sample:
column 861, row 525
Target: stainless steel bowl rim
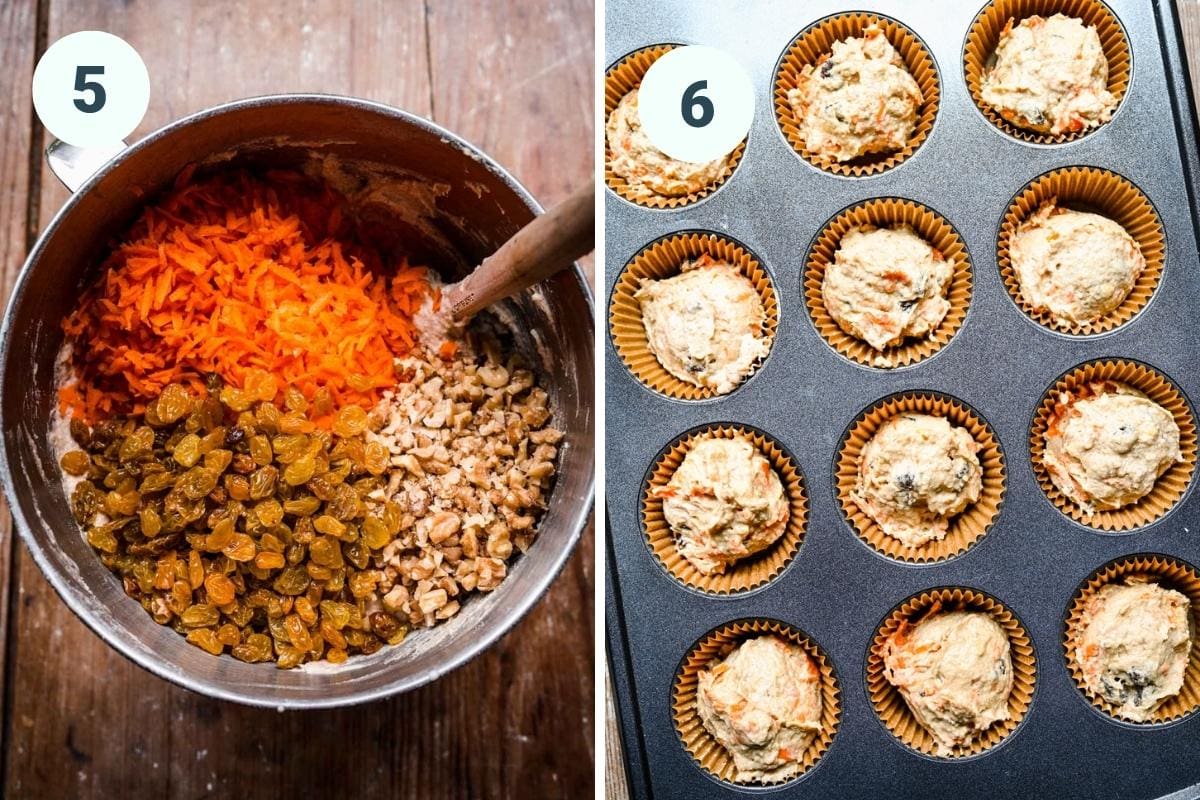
column 63, row 587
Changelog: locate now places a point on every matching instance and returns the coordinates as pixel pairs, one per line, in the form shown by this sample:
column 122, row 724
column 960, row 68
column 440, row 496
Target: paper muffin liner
column 984, row 36
column 662, row 259
column 1171, row 485
column 889, row 704
column 1102, row 192
column 965, row 529
column 817, row 40
column 889, row 212
column 699, row 743
column 748, row 573
column 619, row 80
column 1168, row 572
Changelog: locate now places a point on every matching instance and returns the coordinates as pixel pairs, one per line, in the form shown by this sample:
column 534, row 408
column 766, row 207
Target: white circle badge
column 696, row 103
column 91, row 89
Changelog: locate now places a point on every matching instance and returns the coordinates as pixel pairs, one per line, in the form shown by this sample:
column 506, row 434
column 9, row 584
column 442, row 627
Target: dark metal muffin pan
column 838, row 590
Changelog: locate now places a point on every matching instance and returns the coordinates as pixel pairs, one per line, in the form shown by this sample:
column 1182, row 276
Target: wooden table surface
column 79, row 721
column 614, row 770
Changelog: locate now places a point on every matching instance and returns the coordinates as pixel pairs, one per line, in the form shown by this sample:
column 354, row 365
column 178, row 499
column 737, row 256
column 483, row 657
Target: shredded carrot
column 235, row 273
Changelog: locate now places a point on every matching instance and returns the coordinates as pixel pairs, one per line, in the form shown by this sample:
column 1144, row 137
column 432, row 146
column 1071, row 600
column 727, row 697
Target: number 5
column 82, row 84
column 692, row 100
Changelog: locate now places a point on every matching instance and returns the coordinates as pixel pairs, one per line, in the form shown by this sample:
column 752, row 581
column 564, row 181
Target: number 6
column 82, row 84
column 692, row 100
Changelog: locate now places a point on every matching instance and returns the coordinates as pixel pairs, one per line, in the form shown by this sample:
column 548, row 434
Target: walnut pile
column 472, row 461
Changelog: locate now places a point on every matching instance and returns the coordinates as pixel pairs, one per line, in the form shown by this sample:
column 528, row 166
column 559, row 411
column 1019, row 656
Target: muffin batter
column 723, row 503
column 886, row 285
column 763, row 705
column 647, row 170
column 705, row 325
column 1075, row 266
column 915, row 473
column 1108, row 444
column 954, row 671
column 1050, row 76
column 1134, row 646
column 856, row 100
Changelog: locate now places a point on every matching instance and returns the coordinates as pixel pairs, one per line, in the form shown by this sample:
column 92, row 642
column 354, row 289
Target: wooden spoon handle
column 548, row 244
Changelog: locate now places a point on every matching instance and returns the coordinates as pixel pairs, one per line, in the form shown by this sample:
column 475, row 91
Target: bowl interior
column 415, row 188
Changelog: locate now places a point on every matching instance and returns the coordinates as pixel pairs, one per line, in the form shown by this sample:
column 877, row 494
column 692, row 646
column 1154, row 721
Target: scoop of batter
column 1050, row 76
column 705, row 325
column 762, row 703
column 858, row 99
column 1073, row 265
column 647, row 170
column 915, row 473
column 954, row 671
column 886, row 285
column 1133, row 646
column 724, row 503
column 1108, row 444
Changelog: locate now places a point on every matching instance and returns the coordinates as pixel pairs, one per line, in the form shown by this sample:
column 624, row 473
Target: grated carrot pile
column 237, row 273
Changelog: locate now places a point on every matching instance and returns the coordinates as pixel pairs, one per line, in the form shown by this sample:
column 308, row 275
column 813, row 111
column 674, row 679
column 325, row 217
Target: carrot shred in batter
column 235, row 273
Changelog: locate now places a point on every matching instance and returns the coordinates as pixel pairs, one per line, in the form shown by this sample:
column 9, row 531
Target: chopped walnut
column 471, row 464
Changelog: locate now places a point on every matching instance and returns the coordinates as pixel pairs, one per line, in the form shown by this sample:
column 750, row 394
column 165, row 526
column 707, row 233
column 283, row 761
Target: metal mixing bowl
column 477, row 208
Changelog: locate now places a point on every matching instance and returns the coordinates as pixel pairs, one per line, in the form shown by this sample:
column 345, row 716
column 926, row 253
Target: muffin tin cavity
column 750, row 573
column 619, row 80
column 662, row 259
column 1170, row 487
column 1098, row 191
column 984, row 35
column 817, row 40
column 1168, row 572
column 888, row 212
column 705, row 751
column 966, row 529
column 889, row 704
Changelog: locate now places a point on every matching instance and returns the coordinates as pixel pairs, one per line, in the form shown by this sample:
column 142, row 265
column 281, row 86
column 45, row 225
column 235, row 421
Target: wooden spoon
column 547, row 245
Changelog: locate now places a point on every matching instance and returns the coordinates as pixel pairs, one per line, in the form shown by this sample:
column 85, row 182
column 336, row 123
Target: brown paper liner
column 1102, row 192
column 889, row 212
column 619, row 80
column 966, row 529
column 748, row 573
column 816, row 41
column 1169, row 573
column 662, row 259
column 703, row 748
column 984, row 36
column 1171, row 485
column 889, row 704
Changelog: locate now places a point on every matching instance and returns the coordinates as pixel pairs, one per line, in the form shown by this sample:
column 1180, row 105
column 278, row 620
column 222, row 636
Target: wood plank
column 18, row 42
column 501, row 726
column 1189, row 20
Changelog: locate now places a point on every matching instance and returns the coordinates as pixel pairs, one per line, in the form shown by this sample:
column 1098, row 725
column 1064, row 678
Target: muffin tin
column 837, row 592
